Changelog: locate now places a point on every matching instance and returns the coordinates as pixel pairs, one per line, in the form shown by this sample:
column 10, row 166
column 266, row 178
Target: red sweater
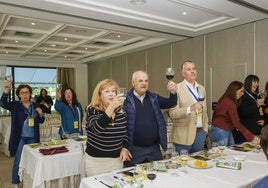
column 225, row 116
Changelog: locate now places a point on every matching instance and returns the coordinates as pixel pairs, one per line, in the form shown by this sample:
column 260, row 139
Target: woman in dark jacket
column 25, row 118
column 248, row 110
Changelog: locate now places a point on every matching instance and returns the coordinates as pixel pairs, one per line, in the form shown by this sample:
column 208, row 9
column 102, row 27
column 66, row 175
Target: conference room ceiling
column 82, row 31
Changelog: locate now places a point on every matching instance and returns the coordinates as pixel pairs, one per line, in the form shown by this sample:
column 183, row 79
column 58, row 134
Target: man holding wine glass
column 143, row 109
column 190, row 120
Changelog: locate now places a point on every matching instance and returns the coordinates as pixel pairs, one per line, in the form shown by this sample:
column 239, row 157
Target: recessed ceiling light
column 53, row 45
column 137, row 2
column 6, row 52
column 85, row 48
column 16, row 41
column 65, row 56
column 45, row 50
column 184, row 13
column 33, row 23
column 118, row 36
column 65, row 38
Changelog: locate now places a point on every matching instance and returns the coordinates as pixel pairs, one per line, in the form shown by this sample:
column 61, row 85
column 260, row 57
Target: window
column 35, row 77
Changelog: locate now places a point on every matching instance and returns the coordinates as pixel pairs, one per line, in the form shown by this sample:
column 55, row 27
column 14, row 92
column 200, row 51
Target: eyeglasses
column 24, row 92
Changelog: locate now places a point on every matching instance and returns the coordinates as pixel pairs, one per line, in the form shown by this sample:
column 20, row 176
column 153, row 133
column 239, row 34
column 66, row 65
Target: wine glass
column 201, row 95
column 151, row 175
column 184, row 155
column 222, row 145
column 124, row 92
column 170, row 73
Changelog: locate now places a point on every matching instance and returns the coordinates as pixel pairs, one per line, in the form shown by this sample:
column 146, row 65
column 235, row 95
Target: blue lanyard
column 29, row 112
column 196, row 98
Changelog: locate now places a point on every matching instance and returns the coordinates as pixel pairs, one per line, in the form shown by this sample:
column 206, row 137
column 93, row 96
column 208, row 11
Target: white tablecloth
column 253, row 169
column 42, row 168
column 5, row 128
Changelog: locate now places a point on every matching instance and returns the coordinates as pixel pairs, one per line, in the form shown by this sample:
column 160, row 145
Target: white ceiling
column 81, row 31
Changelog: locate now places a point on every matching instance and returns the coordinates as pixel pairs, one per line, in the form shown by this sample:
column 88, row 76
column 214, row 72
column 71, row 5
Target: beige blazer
column 184, row 125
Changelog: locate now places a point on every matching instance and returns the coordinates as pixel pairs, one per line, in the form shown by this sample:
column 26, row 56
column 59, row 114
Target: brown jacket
column 184, row 125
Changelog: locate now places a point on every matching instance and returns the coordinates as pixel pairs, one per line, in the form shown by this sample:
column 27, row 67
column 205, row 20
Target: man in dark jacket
column 146, row 124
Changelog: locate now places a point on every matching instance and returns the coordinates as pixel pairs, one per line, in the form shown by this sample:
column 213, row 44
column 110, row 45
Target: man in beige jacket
column 190, row 120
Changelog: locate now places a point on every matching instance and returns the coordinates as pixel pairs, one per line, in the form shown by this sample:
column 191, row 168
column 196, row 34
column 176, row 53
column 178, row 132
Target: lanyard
column 196, row 98
column 30, row 112
column 250, row 96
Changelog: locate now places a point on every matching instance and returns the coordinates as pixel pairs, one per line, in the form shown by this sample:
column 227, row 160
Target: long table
column 58, row 170
column 254, row 168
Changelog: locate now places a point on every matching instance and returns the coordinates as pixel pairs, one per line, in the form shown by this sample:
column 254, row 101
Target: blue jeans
column 198, row 145
column 218, row 134
column 144, row 154
column 15, row 170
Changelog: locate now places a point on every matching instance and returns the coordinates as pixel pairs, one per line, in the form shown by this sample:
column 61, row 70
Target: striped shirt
column 105, row 136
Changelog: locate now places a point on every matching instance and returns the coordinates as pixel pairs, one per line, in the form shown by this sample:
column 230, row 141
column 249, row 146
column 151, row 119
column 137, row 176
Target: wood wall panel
column 158, row 60
column 262, row 51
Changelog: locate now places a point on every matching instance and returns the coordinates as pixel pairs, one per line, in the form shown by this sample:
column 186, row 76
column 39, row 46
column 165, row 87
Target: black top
column 44, row 101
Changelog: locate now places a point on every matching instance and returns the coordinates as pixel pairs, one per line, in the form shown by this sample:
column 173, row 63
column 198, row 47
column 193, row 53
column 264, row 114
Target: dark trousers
column 144, row 154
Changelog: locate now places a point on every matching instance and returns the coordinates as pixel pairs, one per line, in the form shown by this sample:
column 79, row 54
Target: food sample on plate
column 201, row 164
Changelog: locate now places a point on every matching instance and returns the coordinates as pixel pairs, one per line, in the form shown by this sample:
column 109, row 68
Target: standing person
column 106, row 130
column 225, row 117
column 146, row 124
column 71, row 112
column 264, row 144
column 45, row 101
column 248, row 110
column 25, row 118
column 190, row 120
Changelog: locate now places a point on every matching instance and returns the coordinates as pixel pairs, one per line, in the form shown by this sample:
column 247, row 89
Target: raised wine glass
column 170, row 73
column 124, row 92
column 262, row 94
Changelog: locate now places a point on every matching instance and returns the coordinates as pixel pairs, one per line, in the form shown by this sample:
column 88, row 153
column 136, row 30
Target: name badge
column 199, row 112
column 76, row 124
column 30, row 122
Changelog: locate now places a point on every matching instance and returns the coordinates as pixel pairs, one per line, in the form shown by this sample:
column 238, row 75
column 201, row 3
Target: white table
column 5, row 129
column 39, row 171
column 253, row 169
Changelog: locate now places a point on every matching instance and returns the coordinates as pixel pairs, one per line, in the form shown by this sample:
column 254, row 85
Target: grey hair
column 188, row 61
column 134, row 73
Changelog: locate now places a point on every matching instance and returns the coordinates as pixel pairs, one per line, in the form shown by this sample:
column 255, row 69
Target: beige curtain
column 65, row 77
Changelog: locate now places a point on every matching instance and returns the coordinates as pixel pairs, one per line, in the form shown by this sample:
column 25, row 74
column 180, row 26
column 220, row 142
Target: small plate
column 192, row 164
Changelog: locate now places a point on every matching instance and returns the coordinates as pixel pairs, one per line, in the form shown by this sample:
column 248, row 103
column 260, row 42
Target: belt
column 199, row 129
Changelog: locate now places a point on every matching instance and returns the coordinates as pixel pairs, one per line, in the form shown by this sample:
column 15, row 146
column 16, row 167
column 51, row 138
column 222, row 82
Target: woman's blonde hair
column 96, row 100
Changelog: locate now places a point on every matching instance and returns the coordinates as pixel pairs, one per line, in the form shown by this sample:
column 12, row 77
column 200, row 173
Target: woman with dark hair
column 248, row 110
column 71, row 112
column 25, row 118
column 45, row 101
column 225, row 117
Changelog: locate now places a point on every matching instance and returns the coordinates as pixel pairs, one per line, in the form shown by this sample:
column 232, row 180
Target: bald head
column 140, row 82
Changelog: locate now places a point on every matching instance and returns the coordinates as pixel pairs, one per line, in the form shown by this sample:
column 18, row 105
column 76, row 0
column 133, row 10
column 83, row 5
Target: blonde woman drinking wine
column 106, row 130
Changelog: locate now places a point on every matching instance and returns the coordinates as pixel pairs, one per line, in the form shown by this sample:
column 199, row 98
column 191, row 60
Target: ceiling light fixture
column 184, row 13
column 137, row 2
column 33, row 23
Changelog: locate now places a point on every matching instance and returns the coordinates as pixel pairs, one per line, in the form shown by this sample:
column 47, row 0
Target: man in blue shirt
column 146, row 124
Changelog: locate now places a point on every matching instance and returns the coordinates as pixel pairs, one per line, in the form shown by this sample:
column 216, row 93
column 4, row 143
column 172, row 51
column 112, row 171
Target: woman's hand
column 125, row 155
column 7, row 87
column 256, row 140
column 115, row 103
column 58, row 95
column 39, row 111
